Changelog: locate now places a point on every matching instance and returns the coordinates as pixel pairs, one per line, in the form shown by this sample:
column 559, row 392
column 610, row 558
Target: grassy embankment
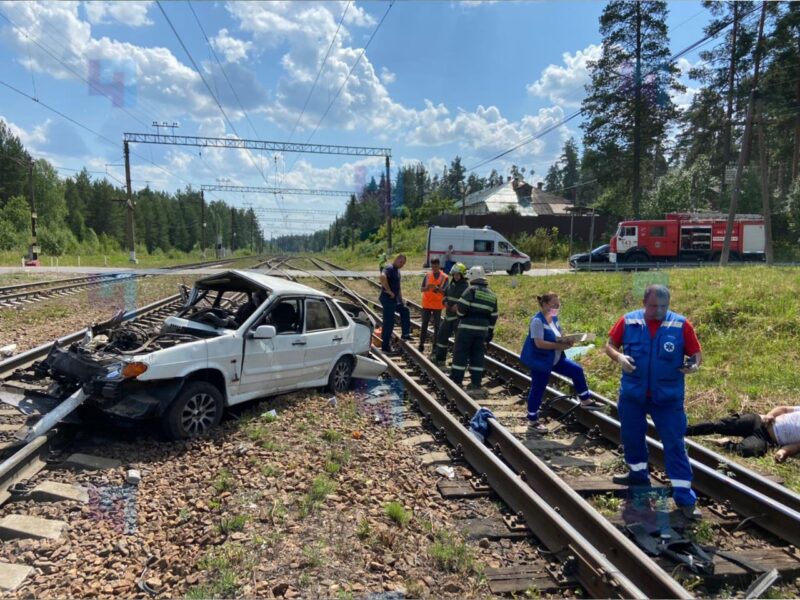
column 119, row 259
column 747, row 319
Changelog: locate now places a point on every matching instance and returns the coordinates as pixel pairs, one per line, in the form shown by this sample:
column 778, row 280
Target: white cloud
column 563, row 84
column 30, row 139
column 232, row 48
column 152, row 75
column 129, row 12
column 387, row 76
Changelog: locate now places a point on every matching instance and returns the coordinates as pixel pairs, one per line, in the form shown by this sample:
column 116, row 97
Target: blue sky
column 439, row 79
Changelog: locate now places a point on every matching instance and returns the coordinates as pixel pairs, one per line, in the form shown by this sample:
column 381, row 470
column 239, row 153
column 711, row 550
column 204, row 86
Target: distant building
column 517, row 197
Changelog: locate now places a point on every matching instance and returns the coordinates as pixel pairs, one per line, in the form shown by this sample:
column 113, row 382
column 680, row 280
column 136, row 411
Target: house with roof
column 516, row 196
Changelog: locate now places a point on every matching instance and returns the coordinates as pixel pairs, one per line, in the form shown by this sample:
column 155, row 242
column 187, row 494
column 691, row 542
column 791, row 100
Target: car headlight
column 133, row 369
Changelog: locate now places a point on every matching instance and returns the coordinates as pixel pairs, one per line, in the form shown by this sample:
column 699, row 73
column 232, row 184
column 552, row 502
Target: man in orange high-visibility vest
column 432, row 301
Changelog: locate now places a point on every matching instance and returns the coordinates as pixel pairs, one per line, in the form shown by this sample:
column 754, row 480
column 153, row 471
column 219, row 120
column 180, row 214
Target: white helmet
column 475, row 273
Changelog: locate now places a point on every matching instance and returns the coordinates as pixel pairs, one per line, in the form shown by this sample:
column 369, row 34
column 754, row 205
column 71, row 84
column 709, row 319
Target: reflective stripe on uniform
column 637, row 466
column 476, row 368
column 677, row 324
column 473, row 327
column 634, row 321
column 458, row 368
column 681, row 483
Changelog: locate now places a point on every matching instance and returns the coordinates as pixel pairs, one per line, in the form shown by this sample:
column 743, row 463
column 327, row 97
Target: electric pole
column 233, row 233
column 131, row 239
column 202, row 225
column 388, row 208
column 33, row 250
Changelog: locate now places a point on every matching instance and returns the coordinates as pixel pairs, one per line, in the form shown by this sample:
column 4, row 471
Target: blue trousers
column 390, row 305
column 670, row 422
column 448, row 264
column 539, row 379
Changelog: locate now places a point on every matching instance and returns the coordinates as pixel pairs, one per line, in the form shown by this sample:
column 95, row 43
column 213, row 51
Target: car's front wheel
column 339, row 379
column 196, row 410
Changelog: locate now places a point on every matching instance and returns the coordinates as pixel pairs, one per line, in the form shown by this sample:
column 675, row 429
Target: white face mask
column 554, row 312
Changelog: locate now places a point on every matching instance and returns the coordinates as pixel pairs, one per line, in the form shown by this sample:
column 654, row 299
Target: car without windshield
column 240, row 335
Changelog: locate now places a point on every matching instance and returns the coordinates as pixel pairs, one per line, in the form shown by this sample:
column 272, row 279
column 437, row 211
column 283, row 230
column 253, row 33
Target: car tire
column 196, row 411
column 515, row 269
column 637, row 257
column 341, row 375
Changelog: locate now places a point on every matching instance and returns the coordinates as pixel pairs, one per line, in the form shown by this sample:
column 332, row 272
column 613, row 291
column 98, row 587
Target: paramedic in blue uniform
column 543, row 354
column 649, row 345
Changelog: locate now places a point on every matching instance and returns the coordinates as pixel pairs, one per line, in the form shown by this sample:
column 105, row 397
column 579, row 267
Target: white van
column 484, row 247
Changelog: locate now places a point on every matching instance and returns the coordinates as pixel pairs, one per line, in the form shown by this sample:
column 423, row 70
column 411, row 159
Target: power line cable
column 208, row 87
column 67, row 66
column 321, row 68
column 87, row 128
column 528, row 140
column 221, row 68
column 355, row 64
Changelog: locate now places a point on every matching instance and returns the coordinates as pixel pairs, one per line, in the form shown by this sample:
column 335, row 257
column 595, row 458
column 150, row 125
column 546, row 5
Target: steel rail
column 88, row 282
column 698, row 453
column 12, row 289
column 595, row 572
column 26, row 358
column 587, row 528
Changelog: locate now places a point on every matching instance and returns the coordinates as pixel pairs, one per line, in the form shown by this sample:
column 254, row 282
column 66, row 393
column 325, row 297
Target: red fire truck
column 687, row 236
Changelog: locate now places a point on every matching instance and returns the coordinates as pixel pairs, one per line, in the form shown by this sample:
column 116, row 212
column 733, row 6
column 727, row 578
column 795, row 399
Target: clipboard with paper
column 577, row 338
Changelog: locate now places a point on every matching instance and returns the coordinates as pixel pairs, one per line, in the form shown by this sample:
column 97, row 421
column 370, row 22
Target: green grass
column 396, row 512
column 321, row 486
column 451, row 553
column 223, row 482
column 270, row 470
column 114, row 259
column 607, row 504
column 331, row 435
column 230, row 524
column 363, row 531
column 228, row 565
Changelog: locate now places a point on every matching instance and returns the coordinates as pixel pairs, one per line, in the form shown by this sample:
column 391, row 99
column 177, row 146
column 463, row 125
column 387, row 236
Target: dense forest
column 640, row 155
column 83, row 215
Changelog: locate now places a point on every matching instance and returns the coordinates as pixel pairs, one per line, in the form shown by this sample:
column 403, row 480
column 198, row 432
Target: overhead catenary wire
column 221, row 68
column 355, row 64
column 711, row 35
column 208, row 87
column 321, row 68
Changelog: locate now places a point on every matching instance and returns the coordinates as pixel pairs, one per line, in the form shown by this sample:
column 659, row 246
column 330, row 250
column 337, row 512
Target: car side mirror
column 515, row 252
column 264, row 332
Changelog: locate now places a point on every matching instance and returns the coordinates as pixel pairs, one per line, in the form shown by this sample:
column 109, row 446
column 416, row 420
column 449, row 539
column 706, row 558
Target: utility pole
column 748, row 134
column 388, row 208
column 202, row 224
column 33, row 249
column 233, row 233
column 131, row 239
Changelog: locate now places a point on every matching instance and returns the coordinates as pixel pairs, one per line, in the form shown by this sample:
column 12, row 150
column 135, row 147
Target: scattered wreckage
column 239, row 335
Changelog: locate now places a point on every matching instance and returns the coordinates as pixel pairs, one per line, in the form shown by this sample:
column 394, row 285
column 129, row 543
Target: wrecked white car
column 240, row 335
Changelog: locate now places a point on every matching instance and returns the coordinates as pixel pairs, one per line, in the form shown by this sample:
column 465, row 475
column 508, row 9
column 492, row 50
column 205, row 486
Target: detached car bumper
column 368, row 368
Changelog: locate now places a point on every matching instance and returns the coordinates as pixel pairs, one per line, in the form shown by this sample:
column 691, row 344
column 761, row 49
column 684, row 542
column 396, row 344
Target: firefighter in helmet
column 452, row 292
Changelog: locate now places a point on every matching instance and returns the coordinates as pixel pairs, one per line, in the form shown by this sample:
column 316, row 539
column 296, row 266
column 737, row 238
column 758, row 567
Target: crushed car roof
column 250, row 281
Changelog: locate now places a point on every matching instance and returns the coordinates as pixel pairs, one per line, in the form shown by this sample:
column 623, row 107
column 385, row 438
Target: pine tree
column 628, row 105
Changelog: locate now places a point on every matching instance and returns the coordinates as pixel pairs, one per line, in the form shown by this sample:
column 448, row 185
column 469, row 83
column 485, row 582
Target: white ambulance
column 484, row 247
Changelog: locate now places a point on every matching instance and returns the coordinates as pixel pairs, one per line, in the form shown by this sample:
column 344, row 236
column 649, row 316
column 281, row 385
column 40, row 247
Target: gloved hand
column 627, row 363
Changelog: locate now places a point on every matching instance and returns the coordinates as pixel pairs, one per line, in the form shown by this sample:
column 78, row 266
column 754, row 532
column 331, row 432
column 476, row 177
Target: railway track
column 14, row 296
column 751, row 519
column 27, row 293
